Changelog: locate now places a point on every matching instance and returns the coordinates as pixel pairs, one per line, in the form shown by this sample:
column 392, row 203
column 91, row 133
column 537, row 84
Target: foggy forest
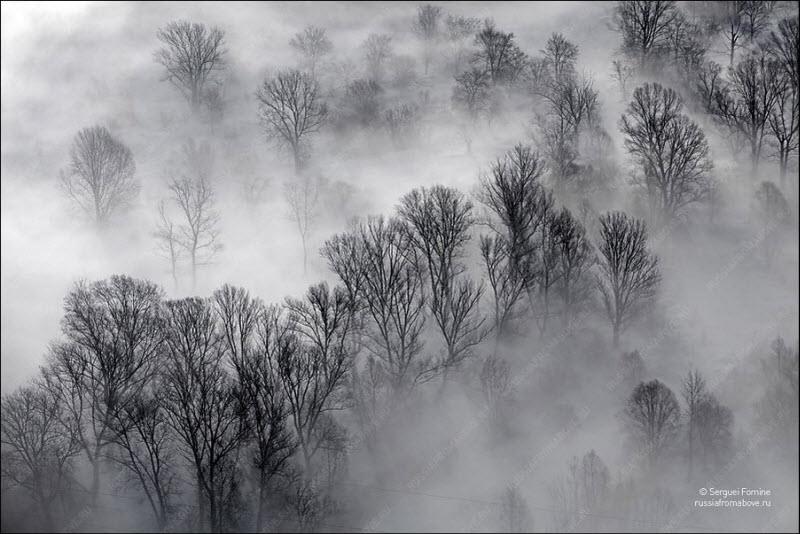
column 400, row 266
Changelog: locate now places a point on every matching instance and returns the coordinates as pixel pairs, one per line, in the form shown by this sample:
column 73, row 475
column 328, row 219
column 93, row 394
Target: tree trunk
column 305, row 254
column 260, row 512
column 616, row 335
column 95, row 478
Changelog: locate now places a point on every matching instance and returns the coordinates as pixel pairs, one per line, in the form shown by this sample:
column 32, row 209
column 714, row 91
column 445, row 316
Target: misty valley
column 400, row 266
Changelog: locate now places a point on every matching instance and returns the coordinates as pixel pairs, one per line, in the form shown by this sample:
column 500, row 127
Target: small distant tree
column 168, row 240
column 694, row 393
column 516, row 516
column 290, row 108
column 191, row 54
column 498, row 54
column 772, row 211
column 100, row 177
column 622, row 72
column 560, row 56
column 629, row 275
column 714, row 432
column 313, row 44
column 471, row 93
column 426, row 26
column 199, row 228
column 363, row 101
column 302, row 195
column 377, row 51
column 652, row 415
column 458, row 31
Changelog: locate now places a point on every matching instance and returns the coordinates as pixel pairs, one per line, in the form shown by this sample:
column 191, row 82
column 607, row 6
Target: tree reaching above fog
column 498, row 54
column 313, row 44
column 426, row 26
column 191, row 55
column 100, row 177
column 629, row 275
column 670, row 149
column 644, row 26
column 652, row 415
column 784, row 120
column 290, row 108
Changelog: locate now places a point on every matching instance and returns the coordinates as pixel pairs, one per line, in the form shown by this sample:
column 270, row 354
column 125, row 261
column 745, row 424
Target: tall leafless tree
column 628, row 275
column 191, row 54
column 744, row 105
column 257, row 339
column 143, row 437
column 426, row 26
column 670, row 149
column 290, row 108
column 198, row 233
column 784, row 120
column 498, row 54
column 575, row 257
column 313, row 376
column 313, row 44
column 560, row 56
column 439, row 220
column 460, row 30
column 377, row 51
column 302, row 195
column 113, row 334
column 168, row 240
column 644, row 27
column 100, row 177
column 652, row 415
column 508, row 288
column 39, row 442
column 693, row 392
column 204, row 405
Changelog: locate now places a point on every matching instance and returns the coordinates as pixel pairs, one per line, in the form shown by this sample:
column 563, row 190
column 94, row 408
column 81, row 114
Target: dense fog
column 395, row 266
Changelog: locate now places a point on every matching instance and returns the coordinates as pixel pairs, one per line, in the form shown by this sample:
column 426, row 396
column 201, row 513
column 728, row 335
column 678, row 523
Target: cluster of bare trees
column 538, row 253
column 216, row 394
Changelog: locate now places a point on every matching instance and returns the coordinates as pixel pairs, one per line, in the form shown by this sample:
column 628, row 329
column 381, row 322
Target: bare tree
column 784, row 120
column 670, row 149
column 594, row 478
column 471, row 93
column 39, row 443
column 363, row 100
column 426, row 26
column 694, row 393
column 714, row 432
column 560, row 56
column 257, row 339
column 508, row 287
column 644, row 27
column 377, row 263
column 146, row 449
column 291, row 109
column 168, row 240
column 652, row 415
column 402, row 121
column 575, row 258
column 439, row 220
column 772, row 210
column 498, row 54
column 302, row 195
column 313, row 376
column 777, row 408
column 516, row 516
column 204, row 405
column 629, row 275
column 458, row 31
column 377, row 51
column 495, row 377
column 191, row 55
column 100, row 177
column 113, row 335
column 199, row 229
column 622, row 72
column 745, row 104
column 313, row 44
